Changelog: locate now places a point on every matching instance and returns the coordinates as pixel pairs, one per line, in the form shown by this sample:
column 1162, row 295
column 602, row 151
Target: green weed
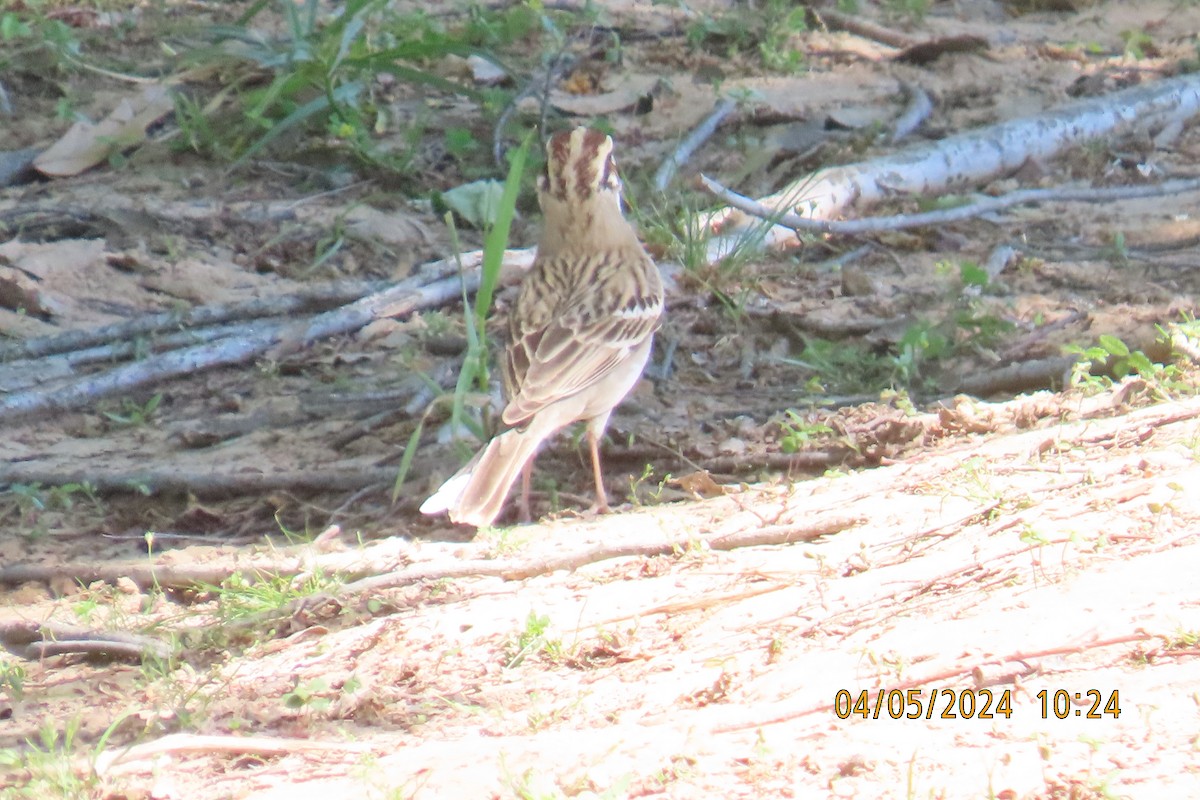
column 841, row 367
column 322, row 75
column 1110, row 358
column 33, row 41
column 12, row 679
column 644, row 489
column 308, row 695
column 37, row 507
column 532, row 640
column 474, row 375
column 913, row 10
column 47, row 767
column 768, row 34
column 921, row 343
column 1138, row 44
column 676, row 230
column 795, row 432
column 134, row 414
column 1116, row 253
column 239, row 597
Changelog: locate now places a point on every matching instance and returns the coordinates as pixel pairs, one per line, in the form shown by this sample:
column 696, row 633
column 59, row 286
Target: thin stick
column 867, row 30
column 702, row 133
column 942, row 216
column 37, row 640
column 179, row 743
column 278, row 338
column 24, row 373
column 334, row 294
column 915, row 112
column 202, row 482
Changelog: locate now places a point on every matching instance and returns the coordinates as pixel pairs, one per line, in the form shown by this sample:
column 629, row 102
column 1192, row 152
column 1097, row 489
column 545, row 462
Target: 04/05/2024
column 971, row 704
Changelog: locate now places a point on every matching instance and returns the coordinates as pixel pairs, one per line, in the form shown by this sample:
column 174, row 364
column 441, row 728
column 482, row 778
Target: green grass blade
column 300, row 115
column 466, row 375
column 410, row 451
column 496, row 241
column 250, row 13
column 420, row 76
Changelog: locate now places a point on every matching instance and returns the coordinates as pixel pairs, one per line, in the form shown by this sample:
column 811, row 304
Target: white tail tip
column 447, row 496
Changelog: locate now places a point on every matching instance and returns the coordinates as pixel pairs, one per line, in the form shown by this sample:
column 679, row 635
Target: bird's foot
column 599, row 508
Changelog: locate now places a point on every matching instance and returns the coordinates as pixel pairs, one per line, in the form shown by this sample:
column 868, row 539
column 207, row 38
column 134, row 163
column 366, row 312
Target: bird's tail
column 476, row 493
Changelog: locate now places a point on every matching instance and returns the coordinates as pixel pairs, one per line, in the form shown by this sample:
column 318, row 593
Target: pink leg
column 523, row 514
column 601, row 505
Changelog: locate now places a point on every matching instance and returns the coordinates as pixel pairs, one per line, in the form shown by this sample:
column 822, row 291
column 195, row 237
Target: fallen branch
column 16, row 375
column 966, row 158
column 16, row 166
column 1022, row 376
column 202, row 484
column 347, row 565
column 333, row 294
column 978, row 206
column 179, row 743
column 516, row 569
column 38, row 640
column 916, row 111
column 275, row 340
column 363, row 568
column 784, row 534
column 707, row 127
column 835, row 20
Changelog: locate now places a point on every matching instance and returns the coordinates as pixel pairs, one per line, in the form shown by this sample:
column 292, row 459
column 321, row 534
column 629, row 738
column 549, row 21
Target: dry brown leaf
column 19, row 292
column 628, row 92
column 85, row 145
column 700, row 484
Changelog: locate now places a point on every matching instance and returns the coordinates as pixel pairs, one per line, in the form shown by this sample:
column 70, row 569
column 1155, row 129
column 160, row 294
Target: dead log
column 957, row 161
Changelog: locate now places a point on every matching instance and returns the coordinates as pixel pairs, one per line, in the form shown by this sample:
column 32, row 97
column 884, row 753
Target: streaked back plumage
column 580, row 331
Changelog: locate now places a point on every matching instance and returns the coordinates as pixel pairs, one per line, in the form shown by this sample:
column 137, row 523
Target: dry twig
column 916, row 111
column 321, row 298
column 970, row 157
column 978, row 207
column 693, row 142
column 181, row 743
column 38, row 640
column 275, row 338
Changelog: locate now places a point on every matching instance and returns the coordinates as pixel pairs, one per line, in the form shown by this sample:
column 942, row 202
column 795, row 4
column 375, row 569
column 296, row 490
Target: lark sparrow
column 579, row 334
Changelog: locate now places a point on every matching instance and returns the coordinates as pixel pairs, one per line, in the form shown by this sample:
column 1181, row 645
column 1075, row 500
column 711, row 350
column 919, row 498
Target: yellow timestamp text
column 971, row 704
column 923, row 704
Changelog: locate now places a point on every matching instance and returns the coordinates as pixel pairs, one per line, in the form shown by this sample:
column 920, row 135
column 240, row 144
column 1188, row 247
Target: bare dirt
column 1017, row 573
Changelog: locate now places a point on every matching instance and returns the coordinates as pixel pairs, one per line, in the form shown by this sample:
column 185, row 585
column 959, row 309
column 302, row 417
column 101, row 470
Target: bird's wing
column 560, row 348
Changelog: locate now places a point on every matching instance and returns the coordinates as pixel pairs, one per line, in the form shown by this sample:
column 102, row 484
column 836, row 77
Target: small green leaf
column 1113, row 345
column 12, row 27
column 460, row 142
column 1140, row 363
column 477, row 202
column 972, row 274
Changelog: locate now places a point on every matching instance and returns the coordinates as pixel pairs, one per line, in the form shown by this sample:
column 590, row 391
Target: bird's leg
column 523, row 514
column 601, row 504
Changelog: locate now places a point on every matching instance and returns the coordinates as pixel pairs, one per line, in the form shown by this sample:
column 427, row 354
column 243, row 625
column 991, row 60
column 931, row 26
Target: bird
column 580, row 332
